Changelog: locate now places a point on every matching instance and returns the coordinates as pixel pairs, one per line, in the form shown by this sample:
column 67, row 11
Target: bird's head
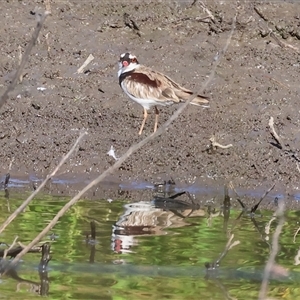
column 128, row 62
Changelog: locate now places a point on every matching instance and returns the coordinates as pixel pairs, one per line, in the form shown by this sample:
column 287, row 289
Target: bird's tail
column 184, row 94
column 200, row 100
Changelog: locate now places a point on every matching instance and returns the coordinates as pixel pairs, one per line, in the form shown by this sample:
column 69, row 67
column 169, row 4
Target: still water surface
column 143, row 252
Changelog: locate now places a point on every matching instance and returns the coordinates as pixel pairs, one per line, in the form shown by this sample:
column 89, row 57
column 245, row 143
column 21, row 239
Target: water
column 142, row 252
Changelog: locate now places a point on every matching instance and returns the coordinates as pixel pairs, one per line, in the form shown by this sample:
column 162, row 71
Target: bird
column 149, row 88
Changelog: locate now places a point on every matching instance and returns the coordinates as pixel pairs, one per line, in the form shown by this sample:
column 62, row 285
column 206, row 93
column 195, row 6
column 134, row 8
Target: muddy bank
column 257, row 79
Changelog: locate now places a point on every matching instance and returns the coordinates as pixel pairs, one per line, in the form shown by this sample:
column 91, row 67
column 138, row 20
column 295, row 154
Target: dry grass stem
column 10, row 247
column 48, row 43
column 275, row 247
column 20, row 61
column 235, row 243
column 48, row 6
column 284, row 44
column 85, row 64
column 214, row 143
column 298, row 168
column 10, row 164
column 268, row 225
column 296, row 233
column 25, row 57
column 297, row 258
column 207, row 11
column 274, row 133
column 230, row 245
column 29, row 199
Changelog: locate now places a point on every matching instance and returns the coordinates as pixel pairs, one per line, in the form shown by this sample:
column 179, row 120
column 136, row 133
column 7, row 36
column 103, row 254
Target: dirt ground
column 258, row 78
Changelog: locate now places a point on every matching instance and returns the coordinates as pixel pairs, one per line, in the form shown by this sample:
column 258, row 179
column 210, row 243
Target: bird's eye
column 133, row 60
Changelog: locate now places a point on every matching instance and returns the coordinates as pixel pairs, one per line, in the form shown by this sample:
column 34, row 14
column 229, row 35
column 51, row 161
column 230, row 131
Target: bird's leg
column 144, row 121
column 156, row 118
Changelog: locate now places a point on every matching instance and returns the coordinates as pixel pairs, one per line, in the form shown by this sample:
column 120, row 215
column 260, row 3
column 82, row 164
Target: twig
column 277, row 81
column 48, row 5
column 260, row 14
column 214, row 143
column 15, row 251
column 273, row 35
column 296, row 233
column 45, row 257
column 298, row 168
column 6, row 180
column 275, row 248
column 28, row 200
column 283, row 44
column 48, row 43
column 297, row 258
column 237, row 195
column 92, row 236
column 10, row 247
column 255, row 207
column 130, row 151
column 20, row 61
column 93, row 230
column 10, row 164
column 131, row 24
column 87, row 61
column 228, row 246
column 25, row 57
column 207, row 11
column 274, row 134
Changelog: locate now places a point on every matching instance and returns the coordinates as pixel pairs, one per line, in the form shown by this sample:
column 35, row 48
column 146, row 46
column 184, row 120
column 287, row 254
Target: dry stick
column 85, row 64
column 275, row 248
column 48, row 5
column 255, row 207
column 273, row 35
column 207, row 11
column 283, row 44
column 28, row 200
column 131, row 150
column 274, row 133
column 296, row 233
column 297, row 258
column 214, row 143
column 48, row 43
column 25, row 57
column 10, row 164
column 10, row 247
column 20, row 60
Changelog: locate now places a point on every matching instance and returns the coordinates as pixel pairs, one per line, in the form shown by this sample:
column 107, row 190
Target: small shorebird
column 150, row 88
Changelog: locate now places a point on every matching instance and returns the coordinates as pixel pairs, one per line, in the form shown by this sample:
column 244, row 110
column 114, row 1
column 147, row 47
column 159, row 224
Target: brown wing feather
column 146, row 83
